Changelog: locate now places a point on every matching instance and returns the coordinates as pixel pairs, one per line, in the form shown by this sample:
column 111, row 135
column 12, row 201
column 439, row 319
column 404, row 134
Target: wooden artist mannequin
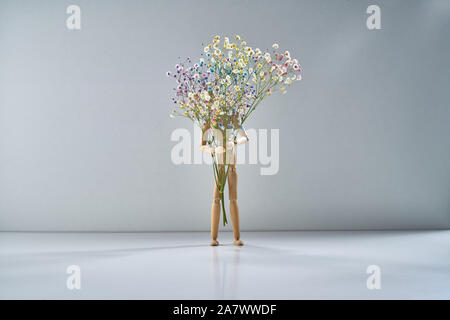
column 232, row 182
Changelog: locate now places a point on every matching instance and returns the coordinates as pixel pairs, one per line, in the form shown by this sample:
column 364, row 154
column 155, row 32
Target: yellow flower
column 238, row 38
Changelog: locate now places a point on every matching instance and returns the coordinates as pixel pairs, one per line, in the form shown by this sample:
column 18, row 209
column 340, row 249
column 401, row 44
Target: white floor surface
column 271, row 265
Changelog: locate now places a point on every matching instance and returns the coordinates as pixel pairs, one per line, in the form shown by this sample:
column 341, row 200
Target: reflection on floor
column 271, row 265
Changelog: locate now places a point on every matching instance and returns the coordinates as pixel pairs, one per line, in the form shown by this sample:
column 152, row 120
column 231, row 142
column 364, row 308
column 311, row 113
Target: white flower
column 204, row 95
column 206, row 49
column 275, row 46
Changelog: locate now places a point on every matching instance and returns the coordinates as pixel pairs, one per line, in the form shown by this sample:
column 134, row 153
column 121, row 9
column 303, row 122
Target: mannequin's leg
column 215, row 215
column 234, row 209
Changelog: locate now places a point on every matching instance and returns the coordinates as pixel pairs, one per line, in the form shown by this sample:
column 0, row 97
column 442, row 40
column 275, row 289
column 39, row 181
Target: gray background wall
column 85, row 133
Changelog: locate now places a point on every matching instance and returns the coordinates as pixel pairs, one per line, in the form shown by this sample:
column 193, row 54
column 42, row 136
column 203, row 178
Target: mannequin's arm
column 204, row 146
column 241, row 137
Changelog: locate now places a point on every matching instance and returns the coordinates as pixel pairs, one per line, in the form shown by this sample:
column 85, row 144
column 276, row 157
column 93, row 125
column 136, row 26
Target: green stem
column 225, row 222
column 220, row 181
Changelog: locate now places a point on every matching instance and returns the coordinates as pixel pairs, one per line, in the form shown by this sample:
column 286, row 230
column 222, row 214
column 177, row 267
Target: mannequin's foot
column 238, row 243
column 214, row 243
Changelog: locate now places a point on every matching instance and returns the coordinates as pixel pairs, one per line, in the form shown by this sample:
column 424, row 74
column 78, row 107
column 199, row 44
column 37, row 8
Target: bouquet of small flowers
column 221, row 90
